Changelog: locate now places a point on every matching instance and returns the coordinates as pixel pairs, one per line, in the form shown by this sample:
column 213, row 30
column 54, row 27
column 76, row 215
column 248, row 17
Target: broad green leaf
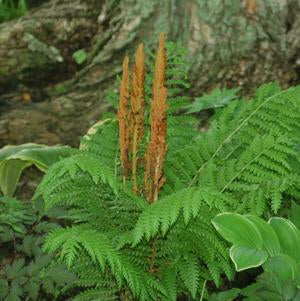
column 9, row 150
column 270, row 240
column 257, row 292
column 283, row 266
column 289, row 291
column 237, row 229
column 10, row 172
column 43, row 157
column 14, row 159
column 295, row 214
column 289, row 236
column 229, row 295
column 245, row 257
column 283, row 286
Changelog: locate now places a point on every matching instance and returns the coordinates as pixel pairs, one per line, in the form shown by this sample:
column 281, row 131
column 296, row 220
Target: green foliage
column 181, row 129
column 274, row 245
column 10, row 10
column 295, row 214
column 229, row 295
column 14, row 217
column 170, row 248
column 14, row 159
column 216, row 99
column 248, row 153
column 80, row 56
column 27, row 272
column 269, row 286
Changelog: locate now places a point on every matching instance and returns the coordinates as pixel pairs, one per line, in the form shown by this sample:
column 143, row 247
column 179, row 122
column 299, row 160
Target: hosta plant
column 15, row 158
column 143, row 188
column 274, row 245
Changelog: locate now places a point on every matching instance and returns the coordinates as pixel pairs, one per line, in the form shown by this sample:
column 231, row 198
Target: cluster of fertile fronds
column 131, row 115
column 157, row 147
column 137, row 115
column 161, row 250
column 133, row 135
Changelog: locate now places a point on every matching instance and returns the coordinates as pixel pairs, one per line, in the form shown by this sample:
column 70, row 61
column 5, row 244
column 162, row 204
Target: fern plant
column 144, row 186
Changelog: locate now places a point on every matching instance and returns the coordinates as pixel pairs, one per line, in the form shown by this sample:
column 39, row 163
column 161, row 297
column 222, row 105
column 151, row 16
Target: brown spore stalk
column 157, row 147
column 137, row 115
column 123, row 118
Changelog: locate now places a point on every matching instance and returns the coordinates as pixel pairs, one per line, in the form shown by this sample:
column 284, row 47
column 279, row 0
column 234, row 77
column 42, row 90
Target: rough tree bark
column 46, row 98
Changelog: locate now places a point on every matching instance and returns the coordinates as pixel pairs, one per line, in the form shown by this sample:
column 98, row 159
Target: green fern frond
column 102, row 141
column 102, row 252
column 169, row 281
column 189, row 273
column 91, row 165
column 236, row 135
column 163, row 214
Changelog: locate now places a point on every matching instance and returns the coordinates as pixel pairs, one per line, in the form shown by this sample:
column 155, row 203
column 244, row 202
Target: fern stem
column 227, row 139
column 153, row 255
column 244, row 167
column 134, row 161
column 203, row 290
column 231, row 152
column 157, row 147
column 137, row 117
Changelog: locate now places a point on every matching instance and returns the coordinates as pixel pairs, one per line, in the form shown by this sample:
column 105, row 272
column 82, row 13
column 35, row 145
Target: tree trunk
column 45, row 97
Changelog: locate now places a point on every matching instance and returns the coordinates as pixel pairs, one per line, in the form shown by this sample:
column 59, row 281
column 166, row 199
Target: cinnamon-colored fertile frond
column 123, row 114
column 137, row 118
column 157, row 147
column 160, row 67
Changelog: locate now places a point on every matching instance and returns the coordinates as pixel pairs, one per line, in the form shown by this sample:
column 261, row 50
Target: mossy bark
column 45, row 97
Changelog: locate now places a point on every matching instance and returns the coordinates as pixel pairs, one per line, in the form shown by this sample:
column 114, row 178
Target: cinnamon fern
column 137, row 114
column 150, row 237
column 157, row 147
column 123, row 118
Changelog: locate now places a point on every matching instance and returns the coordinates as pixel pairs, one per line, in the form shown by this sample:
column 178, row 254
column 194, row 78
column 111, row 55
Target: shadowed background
column 46, row 97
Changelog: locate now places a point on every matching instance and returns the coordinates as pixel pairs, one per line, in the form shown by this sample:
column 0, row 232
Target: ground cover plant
column 28, row 273
column 145, row 185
